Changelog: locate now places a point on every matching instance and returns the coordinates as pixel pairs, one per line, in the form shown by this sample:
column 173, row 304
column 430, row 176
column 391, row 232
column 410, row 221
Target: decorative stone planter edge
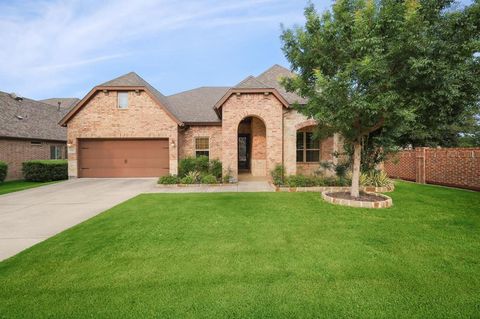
column 352, row 203
column 368, row 189
column 193, row 185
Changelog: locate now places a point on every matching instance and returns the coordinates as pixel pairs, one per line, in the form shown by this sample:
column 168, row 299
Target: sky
column 64, row 48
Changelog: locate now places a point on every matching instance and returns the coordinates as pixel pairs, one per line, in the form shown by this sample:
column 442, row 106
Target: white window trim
column 118, row 100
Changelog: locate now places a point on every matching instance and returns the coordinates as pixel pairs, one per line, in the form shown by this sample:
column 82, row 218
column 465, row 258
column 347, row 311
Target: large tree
column 384, row 70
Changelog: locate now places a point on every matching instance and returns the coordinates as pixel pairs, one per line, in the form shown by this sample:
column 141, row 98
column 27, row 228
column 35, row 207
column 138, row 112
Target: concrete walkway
column 31, row 216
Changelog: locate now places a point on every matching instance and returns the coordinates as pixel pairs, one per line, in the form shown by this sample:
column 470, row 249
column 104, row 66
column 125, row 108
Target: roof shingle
column 197, row 105
column 31, row 119
column 252, row 83
column 65, row 103
column 273, row 76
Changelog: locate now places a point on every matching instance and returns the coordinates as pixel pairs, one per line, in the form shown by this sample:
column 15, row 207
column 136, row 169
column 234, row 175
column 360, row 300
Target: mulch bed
column 364, row 197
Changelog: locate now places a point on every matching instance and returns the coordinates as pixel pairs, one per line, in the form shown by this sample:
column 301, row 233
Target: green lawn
column 15, row 186
column 263, row 255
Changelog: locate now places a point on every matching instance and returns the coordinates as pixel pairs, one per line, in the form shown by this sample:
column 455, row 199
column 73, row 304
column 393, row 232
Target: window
column 202, row 146
column 55, row 152
column 308, row 149
column 36, row 143
column 123, row 100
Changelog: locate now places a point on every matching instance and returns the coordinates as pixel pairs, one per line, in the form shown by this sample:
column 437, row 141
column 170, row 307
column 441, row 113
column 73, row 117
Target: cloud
column 47, row 44
column 78, row 63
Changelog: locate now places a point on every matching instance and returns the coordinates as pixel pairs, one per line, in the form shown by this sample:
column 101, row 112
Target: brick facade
column 259, row 148
column 187, row 140
column 293, row 122
column 269, row 110
column 16, row 151
column 101, row 118
column 326, row 155
column 273, row 130
column 458, row 167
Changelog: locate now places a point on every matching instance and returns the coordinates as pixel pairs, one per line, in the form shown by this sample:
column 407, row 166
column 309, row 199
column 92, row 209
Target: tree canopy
column 393, row 72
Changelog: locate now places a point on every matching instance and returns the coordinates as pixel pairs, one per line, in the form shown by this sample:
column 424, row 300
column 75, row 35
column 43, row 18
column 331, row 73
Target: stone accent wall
column 259, row 148
column 187, row 140
column 458, row 167
column 294, row 121
column 16, row 151
column 100, row 118
column 237, row 107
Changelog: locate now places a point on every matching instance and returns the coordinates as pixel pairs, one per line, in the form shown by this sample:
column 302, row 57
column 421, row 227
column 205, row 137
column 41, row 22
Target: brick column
column 420, row 165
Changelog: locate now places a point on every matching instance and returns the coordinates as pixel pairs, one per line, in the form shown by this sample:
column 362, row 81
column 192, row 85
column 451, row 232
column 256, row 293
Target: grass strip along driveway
column 15, row 186
column 257, row 255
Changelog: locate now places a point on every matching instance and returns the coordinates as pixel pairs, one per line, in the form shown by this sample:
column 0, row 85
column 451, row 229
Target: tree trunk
column 354, row 191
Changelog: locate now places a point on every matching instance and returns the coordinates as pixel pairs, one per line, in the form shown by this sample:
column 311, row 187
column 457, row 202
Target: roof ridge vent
column 14, row 96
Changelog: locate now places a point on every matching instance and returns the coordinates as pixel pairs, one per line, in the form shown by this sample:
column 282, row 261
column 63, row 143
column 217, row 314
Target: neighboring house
column 127, row 128
column 29, row 130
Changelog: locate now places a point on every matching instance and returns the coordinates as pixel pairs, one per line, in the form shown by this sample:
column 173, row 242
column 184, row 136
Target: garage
column 123, row 157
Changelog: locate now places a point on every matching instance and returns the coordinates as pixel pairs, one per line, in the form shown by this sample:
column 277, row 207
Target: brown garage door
column 123, row 158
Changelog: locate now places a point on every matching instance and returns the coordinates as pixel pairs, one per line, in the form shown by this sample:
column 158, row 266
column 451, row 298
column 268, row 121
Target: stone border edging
column 353, row 203
column 194, row 185
column 321, row 189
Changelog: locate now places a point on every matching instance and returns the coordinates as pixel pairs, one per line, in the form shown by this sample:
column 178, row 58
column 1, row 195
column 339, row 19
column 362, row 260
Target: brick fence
column 457, row 167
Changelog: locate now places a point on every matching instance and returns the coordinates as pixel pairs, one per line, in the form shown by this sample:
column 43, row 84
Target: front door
column 244, row 151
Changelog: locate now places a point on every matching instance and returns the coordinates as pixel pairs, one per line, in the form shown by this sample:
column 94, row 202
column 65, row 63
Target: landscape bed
column 257, row 255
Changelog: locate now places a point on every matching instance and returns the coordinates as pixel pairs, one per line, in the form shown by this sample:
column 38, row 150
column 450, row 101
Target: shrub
column 187, row 180
column 169, row 179
column 306, row 181
column 343, row 181
column 375, row 178
column 3, row 171
column 209, row 179
column 278, row 175
column 202, row 164
column 299, row 181
column 330, row 181
column 191, row 178
column 186, row 165
column 341, row 170
column 45, row 170
column 226, row 178
column 215, row 168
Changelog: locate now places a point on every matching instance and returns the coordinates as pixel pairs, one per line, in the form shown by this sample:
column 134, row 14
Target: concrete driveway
column 31, row 216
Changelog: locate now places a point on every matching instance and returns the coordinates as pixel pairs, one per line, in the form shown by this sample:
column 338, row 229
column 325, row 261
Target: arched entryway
column 252, row 148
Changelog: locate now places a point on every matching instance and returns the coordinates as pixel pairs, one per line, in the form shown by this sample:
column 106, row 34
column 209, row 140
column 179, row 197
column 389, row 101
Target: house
column 29, row 130
column 127, row 128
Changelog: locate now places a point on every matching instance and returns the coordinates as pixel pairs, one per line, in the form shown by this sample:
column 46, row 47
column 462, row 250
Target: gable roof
column 133, row 79
column 196, row 106
column 129, row 81
column 272, row 77
column 65, row 103
column 199, row 105
column 27, row 118
column 235, row 90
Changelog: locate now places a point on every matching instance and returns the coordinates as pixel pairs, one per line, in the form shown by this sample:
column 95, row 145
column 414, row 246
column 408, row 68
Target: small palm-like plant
column 375, row 178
